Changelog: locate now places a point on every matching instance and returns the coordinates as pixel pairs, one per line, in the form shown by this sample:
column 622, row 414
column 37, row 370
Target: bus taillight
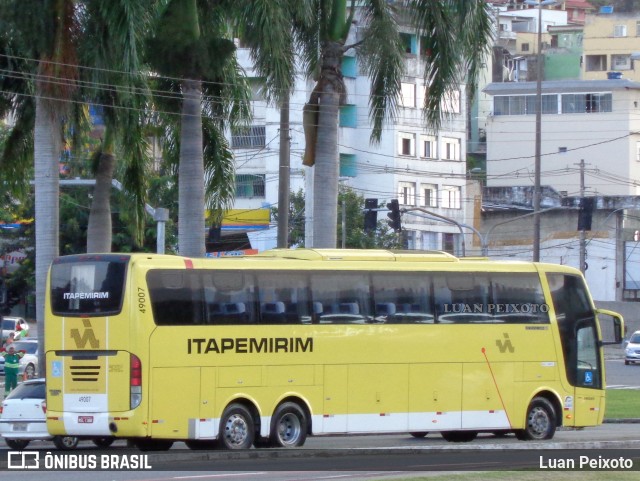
column 135, row 381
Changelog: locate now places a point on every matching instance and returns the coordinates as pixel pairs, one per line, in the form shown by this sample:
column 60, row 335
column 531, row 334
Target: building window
column 596, row 63
column 620, row 31
column 430, row 241
column 450, row 242
column 409, row 42
column 407, row 144
column 248, row 137
column 637, row 28
column 249, row 185
column 408, row 94
column 349, row 67
column 429, row 195
column 621, row 62
column 451, row 102
column 586, row 103
column 407, row 193
column 450, row 148
column 451, row 197
column 525, row 47
column 348, row 166
column 348, row 116
column 429, row 150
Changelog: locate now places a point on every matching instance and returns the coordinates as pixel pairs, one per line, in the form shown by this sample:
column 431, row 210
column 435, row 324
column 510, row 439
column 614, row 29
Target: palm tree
column 47, row 37
column 112, row 45
column 192, row 47
column 452, row 29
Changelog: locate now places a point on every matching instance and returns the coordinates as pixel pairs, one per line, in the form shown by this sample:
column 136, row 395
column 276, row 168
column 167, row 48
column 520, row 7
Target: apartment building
column 419, row 167
column 611, row 44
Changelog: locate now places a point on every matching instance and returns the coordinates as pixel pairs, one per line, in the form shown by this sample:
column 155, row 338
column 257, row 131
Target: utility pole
column 538, row 141
column 283, row 176
column 583, row 244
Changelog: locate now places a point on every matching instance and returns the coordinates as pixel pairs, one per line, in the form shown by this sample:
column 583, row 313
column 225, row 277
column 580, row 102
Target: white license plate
column 85, row 419
column 20, row 427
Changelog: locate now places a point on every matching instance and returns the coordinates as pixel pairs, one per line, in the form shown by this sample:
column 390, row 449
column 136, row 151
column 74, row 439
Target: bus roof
column 358, row 255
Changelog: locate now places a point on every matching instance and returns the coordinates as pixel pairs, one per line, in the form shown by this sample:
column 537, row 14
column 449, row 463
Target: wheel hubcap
column 236, row 430
column 539, row 422
column 289, row 429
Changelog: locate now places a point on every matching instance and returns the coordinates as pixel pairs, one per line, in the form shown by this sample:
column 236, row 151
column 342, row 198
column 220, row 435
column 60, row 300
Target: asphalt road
column 351, row 457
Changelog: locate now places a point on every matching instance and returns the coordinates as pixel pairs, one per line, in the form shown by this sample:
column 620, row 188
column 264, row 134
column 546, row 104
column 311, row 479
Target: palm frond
column 219, row 168
column 382, row 58
column 267, row 29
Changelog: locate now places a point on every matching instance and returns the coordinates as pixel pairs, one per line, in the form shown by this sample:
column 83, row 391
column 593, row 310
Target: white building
column 595, row 120
column 418, row 167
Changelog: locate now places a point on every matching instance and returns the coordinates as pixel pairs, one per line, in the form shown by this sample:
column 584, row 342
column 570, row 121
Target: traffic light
column 370, row 216
column 585, row 214
column 394, row 215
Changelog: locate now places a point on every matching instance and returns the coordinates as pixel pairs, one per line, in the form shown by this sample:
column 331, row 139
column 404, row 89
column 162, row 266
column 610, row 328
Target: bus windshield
column 88, row 285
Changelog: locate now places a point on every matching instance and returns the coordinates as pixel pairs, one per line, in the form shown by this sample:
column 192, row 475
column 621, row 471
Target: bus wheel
column 145, row 444
column 289, row 426
column 237, row 430
column 459, row 436
column 65, row 443
column 541, row 421
column 103, row 442
column 419, row 434
column 201, row 444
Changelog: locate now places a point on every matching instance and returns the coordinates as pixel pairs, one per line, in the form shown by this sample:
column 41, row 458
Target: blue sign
column 56, row 369
column 588, row 377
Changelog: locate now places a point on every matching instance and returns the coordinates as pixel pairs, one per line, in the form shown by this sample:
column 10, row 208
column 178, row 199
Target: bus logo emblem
column 506, row 345
column 87, row 336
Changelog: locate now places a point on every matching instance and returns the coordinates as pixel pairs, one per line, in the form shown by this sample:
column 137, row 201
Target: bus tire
column 459, row 436
column 237, row 429
column 419, row 434
column 540, row 422
column 288, row 426
column 65, row 443
column 201, row 444
column 146, row 444
column 103, row 442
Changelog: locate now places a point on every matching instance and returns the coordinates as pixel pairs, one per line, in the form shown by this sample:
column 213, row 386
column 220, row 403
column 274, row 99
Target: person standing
column 11, row 367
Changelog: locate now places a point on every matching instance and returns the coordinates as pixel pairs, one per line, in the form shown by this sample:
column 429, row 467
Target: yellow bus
column 266, row 350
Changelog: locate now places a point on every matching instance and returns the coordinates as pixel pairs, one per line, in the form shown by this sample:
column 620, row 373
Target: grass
column 622, row 404
column 529, row 476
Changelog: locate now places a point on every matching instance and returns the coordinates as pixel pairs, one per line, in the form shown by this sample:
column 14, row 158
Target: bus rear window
column 91, row 286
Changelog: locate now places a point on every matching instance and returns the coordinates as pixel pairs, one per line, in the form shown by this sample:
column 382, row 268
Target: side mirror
column 611, row 326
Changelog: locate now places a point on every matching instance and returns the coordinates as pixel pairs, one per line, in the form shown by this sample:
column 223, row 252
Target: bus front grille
column 84, row 373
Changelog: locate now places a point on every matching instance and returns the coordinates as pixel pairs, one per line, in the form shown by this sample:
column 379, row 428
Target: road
column 352, row 457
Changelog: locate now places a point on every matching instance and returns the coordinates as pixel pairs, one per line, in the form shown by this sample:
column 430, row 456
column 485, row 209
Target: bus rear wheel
column 146, row 444
column 201, row 444
column 237, row 429
column 65, row 443
column 541, row 421
column 459, row 436
column 419, row 434
column 289, row 426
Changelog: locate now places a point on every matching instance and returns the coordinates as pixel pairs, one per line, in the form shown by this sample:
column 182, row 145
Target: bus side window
column 273, row 313
column 402, row 298
column 174, row 297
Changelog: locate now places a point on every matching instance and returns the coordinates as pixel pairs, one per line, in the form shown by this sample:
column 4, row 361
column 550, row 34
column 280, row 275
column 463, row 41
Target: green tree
column 356, row 238
column 113, row 34
column 46, row 37
column 455, row 35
